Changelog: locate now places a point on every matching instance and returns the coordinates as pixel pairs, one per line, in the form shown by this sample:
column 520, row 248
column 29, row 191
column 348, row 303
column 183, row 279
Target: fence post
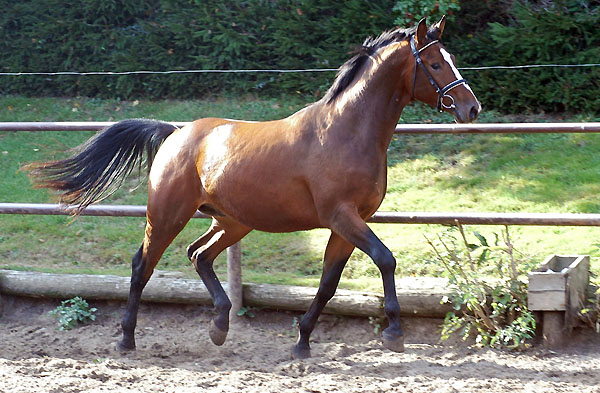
column 234, row 279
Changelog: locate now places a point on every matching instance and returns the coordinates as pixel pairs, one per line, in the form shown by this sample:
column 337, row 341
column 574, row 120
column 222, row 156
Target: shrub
column 496, row 312
column 590, row 314
column 72, row 312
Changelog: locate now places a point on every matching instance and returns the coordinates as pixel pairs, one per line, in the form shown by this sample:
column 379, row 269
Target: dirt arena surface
column 175, row 355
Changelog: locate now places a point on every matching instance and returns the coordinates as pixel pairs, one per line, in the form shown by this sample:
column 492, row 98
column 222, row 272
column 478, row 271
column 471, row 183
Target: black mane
column 350, row 69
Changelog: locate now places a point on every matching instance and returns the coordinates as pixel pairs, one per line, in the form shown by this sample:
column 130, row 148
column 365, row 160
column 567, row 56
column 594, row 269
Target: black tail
column 102, row 163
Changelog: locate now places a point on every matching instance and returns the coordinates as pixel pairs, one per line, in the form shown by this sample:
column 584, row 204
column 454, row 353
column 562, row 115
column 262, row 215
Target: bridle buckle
column 451, row 106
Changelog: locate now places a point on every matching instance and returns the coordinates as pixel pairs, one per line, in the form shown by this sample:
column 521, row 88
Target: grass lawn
column 486, row 173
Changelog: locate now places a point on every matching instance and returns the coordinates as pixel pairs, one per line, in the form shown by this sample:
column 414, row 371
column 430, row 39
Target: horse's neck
column 372, row 106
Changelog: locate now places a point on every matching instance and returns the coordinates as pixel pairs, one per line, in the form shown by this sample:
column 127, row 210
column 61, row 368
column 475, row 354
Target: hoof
column 393, row 342
column 122, row 346
column 216, row 334
column 300, row 353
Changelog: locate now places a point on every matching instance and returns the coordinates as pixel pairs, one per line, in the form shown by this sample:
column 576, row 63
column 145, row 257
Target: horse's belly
column 271, row 204
column 271, row 215
column 274, row 219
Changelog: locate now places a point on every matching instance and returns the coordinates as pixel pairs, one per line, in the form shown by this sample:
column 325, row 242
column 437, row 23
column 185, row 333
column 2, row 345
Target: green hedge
column 504, row 32
column 125, row 35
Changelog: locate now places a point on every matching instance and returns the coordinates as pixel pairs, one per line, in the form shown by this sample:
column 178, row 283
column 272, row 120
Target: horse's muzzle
column 467, row 114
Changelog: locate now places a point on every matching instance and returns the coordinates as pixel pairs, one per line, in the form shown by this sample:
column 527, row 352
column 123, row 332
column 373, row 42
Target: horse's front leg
column 349, row 225
column 336, row 255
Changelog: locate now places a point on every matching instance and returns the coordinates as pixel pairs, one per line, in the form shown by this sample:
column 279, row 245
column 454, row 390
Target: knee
column 326, row 292
column 199, row 259
column 192, row 252
column 384, row 259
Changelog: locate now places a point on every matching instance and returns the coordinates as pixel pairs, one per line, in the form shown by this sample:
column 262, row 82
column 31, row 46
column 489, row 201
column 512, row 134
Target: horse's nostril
column 474, row 112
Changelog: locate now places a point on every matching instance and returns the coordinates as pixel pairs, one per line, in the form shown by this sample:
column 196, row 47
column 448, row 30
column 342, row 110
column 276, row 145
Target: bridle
column 442, row 93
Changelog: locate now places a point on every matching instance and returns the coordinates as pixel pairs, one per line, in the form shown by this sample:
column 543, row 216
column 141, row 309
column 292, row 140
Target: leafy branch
column 496, row 311
column 590, row 314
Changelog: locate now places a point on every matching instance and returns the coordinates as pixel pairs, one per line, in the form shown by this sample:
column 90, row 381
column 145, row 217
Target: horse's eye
column 436, row 66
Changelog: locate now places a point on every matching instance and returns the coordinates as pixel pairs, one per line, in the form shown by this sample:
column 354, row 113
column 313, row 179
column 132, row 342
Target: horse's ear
column 436, row 30
column 421, row 33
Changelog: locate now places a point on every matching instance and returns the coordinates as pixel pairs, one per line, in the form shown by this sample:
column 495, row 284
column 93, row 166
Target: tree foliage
column 159, row 35
column 531, row 32
column 126, row 35
column 411, row 11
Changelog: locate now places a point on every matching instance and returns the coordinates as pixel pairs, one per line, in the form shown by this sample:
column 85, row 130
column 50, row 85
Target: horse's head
column 436, row 80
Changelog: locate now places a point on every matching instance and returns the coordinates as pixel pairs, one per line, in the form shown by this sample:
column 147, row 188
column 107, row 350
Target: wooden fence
column 234, row 252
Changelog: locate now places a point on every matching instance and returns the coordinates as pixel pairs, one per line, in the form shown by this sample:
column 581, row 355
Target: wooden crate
column 559, row 284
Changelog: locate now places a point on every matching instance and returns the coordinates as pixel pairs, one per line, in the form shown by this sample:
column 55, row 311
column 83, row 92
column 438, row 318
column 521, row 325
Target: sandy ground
column 175, row 355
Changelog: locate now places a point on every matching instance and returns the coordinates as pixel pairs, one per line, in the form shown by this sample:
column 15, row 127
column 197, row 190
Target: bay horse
column 324, row 166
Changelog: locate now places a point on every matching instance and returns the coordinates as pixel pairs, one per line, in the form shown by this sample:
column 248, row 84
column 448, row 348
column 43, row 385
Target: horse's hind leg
column 161, row 229
column 202, row 253
column 336, row 255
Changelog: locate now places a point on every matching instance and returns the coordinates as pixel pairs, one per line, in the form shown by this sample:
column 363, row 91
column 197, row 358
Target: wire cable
column 279, row 71
column 520, row 67
column 75, row 73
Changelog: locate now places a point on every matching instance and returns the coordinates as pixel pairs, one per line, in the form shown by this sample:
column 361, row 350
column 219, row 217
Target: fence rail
column 540, row 219
column 483, row 128
column 234, row 253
